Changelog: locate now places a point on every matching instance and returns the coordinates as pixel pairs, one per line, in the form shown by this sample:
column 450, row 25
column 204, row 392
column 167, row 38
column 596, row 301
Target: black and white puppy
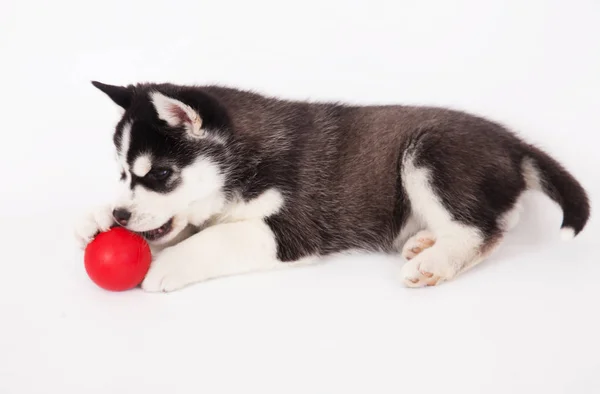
column 222, row 181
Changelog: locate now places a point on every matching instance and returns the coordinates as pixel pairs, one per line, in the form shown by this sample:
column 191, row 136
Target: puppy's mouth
column 157, row 233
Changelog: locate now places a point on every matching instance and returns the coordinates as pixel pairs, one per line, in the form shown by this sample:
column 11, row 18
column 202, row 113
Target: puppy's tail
column 545, row 174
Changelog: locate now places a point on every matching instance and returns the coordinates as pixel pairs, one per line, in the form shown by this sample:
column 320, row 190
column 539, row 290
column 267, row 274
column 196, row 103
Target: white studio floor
column 525, row 321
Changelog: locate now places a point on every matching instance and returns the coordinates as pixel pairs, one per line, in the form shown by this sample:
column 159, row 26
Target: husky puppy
column 222, row 181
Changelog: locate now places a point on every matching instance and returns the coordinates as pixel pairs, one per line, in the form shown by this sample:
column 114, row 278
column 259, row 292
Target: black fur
column 564, row 189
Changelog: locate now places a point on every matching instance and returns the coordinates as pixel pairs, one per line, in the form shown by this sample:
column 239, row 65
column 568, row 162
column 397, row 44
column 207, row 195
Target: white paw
column 89, row 225
column 427, row 269
column 418, row 243
column 170, row 271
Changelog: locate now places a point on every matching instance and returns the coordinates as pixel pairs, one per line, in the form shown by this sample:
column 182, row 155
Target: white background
column 524, row 321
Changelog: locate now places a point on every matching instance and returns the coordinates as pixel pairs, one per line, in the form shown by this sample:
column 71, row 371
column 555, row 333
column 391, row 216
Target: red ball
column 117, row 259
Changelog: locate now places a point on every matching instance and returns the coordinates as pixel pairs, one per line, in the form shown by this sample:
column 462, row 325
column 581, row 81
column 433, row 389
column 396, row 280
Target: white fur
column 96, row 220
column 142, row 165
column 410, row 228
column 567, row 233
column 200, row 182
column 531, row 174
column 511, row 218
column 201, row 210
column 125, row 140
column 124, row 148
column 457, row 245
column 422, row 240
column 267, row 204
column 215, row 210
column 167, row 109
column 243, row 243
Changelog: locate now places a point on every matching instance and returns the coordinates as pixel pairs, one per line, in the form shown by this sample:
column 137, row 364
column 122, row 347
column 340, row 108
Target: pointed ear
column 177, row 114
column 121, row 95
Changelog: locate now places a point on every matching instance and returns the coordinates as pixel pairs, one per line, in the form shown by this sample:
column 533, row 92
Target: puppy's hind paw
column 418, row 243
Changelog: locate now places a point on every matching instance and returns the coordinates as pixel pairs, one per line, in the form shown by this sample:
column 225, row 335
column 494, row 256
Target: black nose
column 122, row 216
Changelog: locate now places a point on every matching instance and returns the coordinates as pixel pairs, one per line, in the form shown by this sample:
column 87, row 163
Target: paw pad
column 417, row 244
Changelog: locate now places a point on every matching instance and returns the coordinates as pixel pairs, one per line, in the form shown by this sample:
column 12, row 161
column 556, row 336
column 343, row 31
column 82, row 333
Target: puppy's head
column 170, row 146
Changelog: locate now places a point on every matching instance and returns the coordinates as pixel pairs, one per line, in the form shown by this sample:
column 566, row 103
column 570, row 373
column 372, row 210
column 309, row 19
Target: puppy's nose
column 121, row 216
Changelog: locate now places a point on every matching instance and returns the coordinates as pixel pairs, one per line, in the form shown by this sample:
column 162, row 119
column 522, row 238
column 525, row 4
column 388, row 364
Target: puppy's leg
column 450, row 247
column 220, row 250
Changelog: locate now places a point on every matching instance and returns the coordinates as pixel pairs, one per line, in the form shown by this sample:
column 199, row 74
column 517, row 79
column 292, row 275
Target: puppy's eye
column 160, row 174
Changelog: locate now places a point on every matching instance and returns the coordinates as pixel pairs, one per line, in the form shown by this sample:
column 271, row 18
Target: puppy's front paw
column 89, row 225
column 169, row 271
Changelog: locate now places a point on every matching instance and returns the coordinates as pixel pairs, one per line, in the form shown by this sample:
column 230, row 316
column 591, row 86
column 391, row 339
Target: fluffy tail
column 547, row 175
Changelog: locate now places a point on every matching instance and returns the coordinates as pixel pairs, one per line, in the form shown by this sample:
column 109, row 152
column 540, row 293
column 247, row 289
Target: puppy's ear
column 177, row 114
column 121, row 95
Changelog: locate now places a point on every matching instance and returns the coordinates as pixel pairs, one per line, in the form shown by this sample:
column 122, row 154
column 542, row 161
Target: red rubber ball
column 117, row 259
